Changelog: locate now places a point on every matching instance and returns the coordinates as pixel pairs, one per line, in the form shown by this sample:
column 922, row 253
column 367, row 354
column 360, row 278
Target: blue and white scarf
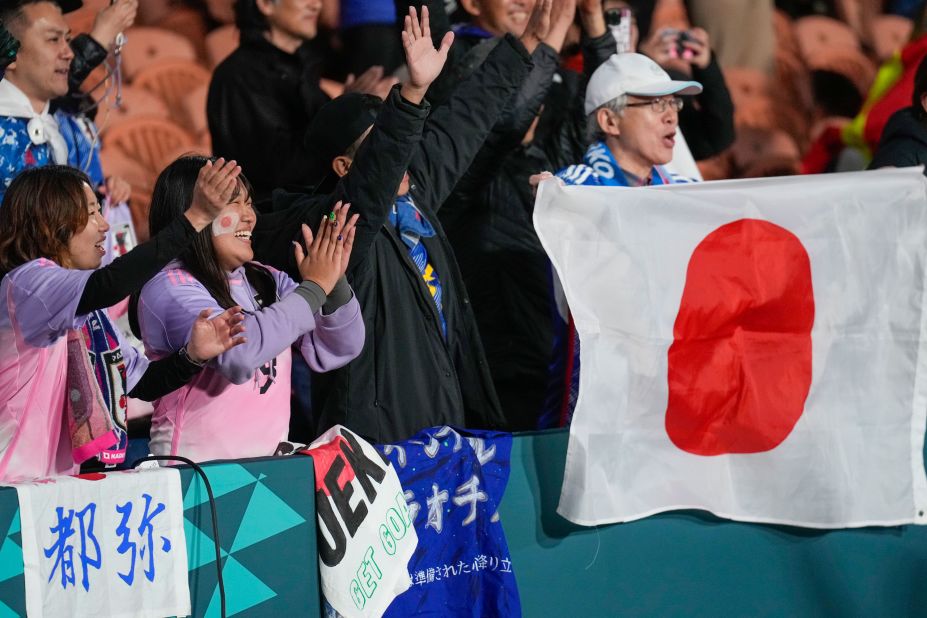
column 412, row 226
column 599, row 168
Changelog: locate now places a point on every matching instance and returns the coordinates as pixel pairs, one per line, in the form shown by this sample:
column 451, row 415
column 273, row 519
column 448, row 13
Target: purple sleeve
column 45, row 298
column 172, row 300
column 337, row 338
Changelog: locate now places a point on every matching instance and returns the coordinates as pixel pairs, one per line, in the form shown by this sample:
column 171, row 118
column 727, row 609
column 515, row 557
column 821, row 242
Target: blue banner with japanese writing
column 453, row 481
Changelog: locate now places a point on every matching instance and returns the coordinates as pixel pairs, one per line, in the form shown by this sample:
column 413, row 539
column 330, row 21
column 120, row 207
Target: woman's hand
column 215, row 184
column 330, row 251
column 211, row 337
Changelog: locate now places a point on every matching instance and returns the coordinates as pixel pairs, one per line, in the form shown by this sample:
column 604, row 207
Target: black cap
column 338, row 124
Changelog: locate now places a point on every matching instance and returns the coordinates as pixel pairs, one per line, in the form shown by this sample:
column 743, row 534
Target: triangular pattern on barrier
column 222, row 478
column 11, row 553
column 12, row 591
column 6, row 612
column 267, row 515
column 15, row 525
column 242, row 590
column 201, row 550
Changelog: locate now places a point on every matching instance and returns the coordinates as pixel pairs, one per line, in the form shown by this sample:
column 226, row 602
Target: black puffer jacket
column 408, row 376
column 489, row 219
column 903, row 142
column 260, row 102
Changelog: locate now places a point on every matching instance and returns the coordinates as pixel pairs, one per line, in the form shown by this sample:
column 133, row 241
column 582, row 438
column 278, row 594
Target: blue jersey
column 17, row 152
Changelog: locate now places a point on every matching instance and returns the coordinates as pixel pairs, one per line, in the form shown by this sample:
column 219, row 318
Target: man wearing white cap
column 632, row 106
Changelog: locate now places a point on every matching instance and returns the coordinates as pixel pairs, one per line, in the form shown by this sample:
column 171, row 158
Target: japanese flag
column 753, row 348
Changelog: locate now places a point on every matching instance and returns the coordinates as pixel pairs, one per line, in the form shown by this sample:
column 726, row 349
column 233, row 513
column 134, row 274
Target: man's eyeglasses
column 659, row 105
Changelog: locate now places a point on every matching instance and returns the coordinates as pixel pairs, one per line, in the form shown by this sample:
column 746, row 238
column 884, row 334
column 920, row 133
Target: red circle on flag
column 226, row 221
column 740, row 361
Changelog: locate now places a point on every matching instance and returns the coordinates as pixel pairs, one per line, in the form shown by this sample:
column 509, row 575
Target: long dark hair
column 173, row 193
column 42, row 209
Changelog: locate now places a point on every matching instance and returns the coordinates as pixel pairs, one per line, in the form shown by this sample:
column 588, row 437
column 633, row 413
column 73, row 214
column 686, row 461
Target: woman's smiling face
column 232, row 239
column 86, row 247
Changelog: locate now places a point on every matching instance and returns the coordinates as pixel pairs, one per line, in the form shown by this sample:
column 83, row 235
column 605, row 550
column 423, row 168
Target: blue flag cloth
column 454, row 480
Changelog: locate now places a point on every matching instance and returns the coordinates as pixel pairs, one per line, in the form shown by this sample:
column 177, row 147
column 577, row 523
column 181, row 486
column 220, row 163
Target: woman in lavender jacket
column 239, row 406
column 64, row 371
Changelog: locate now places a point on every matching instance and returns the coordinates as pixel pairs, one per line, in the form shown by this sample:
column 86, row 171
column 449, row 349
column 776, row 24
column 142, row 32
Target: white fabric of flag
column 753, row 348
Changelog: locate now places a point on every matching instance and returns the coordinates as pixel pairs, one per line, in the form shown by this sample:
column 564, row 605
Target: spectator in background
column 892, row 89
column 904, row 140
column 487, row 21
column 263, row 96
column 488, row 218
column 369, row 35
column 742, row 32
column 33, row 135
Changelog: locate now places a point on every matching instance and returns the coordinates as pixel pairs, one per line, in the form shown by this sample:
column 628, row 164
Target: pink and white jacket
column 239, row 405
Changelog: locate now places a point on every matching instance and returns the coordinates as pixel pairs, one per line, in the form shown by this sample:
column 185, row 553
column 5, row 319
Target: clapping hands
column 327, row 255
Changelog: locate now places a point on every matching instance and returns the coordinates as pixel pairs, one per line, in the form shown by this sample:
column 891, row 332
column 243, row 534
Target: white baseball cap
column 633, row 74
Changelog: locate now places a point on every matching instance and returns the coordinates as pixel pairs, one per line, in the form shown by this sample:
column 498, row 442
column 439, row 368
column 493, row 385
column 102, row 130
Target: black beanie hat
column 337, row 125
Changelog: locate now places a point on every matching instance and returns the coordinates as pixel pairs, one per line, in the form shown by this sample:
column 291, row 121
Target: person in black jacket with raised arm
column 422, row 364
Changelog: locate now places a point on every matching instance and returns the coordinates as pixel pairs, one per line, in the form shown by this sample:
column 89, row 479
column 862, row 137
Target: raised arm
column 127, row 274
column 456, row 130
column 383, row 158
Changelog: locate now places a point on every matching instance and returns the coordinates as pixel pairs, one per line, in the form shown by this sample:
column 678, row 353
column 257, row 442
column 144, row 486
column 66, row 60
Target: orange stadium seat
column 223, row 11
column 173, row 81
column 135, row 102
column 146, row 46
column 851, row 63
column 889, row 34
column 817, row 34
column 149, row 141
column 785, row 33
column 194, row 108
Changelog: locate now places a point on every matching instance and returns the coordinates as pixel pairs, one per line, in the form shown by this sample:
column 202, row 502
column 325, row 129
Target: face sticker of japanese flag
column 226, row 222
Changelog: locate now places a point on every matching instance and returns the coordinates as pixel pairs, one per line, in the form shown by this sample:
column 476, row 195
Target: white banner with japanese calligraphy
column 366, row 537
column 754, row 348
column 105, row 545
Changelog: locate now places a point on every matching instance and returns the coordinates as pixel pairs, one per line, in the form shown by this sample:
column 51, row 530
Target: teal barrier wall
column 267, row 536
column 677, row 564
column 692, row 564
